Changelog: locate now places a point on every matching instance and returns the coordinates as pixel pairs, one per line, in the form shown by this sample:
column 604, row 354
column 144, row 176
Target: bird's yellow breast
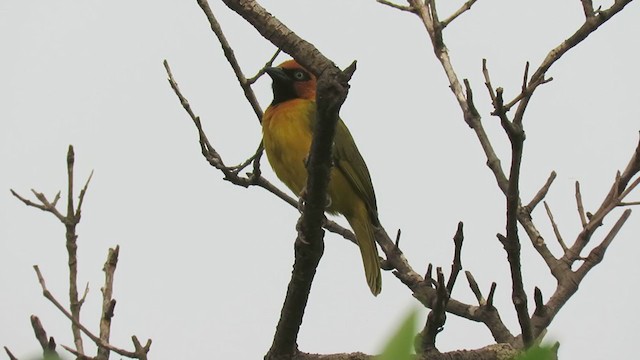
column 286, row 133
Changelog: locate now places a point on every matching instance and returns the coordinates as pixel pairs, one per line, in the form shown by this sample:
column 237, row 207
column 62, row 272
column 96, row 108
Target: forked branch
column 70, row 221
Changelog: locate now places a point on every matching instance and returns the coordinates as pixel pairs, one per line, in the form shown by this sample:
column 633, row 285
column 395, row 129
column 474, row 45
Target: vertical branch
column 511, row 242
column 309, row 245
column 108, row 303
column 437, row 316
column 426, row 10
column 581, row 212
column 71, row 220
column 456, row 265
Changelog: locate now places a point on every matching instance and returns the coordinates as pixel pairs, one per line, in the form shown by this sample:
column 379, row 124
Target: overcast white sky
column 204, row 264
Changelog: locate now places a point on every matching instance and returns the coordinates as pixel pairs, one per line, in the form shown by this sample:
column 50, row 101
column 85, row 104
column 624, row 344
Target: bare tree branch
column 597, row 254
column 108, row 302
column 47, row 294
column 281, row 36
column 475, row 288
column 456, row 265
column 466, row 6
column 48, row 344
column 591, row 24
column 583, row 217
column 396, row 6
column 616, row 194
column 10, row 354
column 262, row 71
column 542, row 192
column 423, row 291
column 231, row 58
column 78, row 355
column 437, row 316
column 587, row 6
column 556, row 231
column 70, row 221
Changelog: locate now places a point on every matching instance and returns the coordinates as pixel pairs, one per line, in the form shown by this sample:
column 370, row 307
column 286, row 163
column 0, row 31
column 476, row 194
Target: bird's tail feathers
column 365, row 236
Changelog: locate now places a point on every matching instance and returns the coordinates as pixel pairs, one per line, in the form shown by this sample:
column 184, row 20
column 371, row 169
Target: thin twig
column 396, row 6
column 475, row 288
column 618, row 190
column 581, row 213
column 83, row 191
column 542, row 192
column 78, row 355
column 487, row 81
column 261, row 72
column 591, row 24
column 527, row 89
column 236, row 169
column 597, row 253
column 398, row 235
column 231, row 58
column 466, row 6
column 456, row 265
column 10, row 354
column 556, row 231
column 45, row 204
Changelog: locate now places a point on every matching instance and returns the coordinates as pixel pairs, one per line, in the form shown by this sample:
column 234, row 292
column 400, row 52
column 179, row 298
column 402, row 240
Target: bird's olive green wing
column 349, row 161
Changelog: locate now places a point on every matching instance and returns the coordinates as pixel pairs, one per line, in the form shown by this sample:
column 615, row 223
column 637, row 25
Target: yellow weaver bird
column 287, row 127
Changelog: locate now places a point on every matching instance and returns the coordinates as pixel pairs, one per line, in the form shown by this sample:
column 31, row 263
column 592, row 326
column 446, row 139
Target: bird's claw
column 302, row 198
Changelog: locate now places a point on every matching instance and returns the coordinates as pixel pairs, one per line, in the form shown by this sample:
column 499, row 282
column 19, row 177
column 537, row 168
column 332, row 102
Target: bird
column 287, row 130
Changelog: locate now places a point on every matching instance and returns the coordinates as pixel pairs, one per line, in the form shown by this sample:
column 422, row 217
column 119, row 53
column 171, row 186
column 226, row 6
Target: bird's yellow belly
column 287, row 140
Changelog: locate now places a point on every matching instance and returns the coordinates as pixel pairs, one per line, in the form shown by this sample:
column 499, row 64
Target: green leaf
column 400, row 345
column 538, row 353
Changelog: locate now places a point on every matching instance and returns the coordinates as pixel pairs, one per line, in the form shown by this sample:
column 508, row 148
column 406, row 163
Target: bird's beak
column 277, row 74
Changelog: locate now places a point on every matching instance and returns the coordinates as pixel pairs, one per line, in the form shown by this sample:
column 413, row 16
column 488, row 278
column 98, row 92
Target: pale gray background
column 204, row 264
